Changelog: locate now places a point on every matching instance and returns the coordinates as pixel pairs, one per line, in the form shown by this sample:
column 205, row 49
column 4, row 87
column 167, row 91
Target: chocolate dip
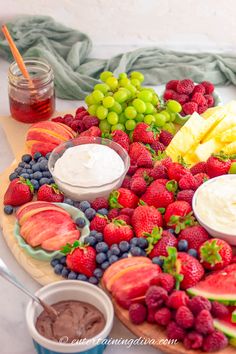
column 76, row 320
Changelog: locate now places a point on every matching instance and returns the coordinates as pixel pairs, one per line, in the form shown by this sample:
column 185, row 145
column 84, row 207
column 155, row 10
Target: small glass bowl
column 76, row 192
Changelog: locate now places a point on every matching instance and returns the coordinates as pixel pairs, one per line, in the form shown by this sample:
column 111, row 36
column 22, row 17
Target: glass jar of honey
column 31, row 100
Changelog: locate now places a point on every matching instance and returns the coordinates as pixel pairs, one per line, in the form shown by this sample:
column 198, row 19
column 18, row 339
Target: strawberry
column 215, row 254
column 126, row 182
column 80, row 258
column 117, row 231
column 124, row 217
column 186, row 269
column 195, row 235
column 50, row 193
column 178, row 215
column 138, row 185
column 188, row 181
column 217, row 165
column 19, row 191
column 159, row 195
column 201, row 178
column 93, row 132
column 186, row 195
column 99, row 222
column 121, row 138
column 144, row 219
column 145, row 133
column 158, row 241
column 200, row 167
column 176, row 171
column 123, row 198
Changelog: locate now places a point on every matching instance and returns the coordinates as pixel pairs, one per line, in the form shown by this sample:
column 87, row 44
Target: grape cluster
column 167, row 114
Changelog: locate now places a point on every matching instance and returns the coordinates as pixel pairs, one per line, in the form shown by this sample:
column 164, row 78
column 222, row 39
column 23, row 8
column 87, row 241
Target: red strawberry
column 50, row 193
column 215, row 254
column 99, row 222
column 178, row 215
column 121, row 138
column 93, row 132
column 80, row 258
column 186, row 195
column 125, row 218
column 176, row 171
column 123, row 198
column 19, row 191
column 117, row 231
column 135, row 150
column 217, row 165
column 138, row 185
column 145, row 219
column 158, row 195
column 200, row 167
column 145, row 133
column 201, row 178
column 188, row 181
column 165, row 137
column 195, row 235
column 158, row 242
column 186, row 269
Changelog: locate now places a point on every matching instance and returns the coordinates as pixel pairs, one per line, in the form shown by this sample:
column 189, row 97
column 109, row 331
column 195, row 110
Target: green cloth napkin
column 67, row 50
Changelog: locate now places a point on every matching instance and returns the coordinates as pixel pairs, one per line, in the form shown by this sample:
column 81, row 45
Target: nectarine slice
column 23, row 218
column 44, row 136
column 57, row 242
column 34, row 205
column 52, row 128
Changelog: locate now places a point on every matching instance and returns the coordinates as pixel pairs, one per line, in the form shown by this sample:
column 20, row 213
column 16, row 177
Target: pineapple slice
column 228, row 136
column 210, row 111
column 230, row 148
column 203, row 151
column 225, row 124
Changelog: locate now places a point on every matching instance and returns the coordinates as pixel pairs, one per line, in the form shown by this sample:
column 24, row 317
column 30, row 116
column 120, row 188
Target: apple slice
column 57, row 242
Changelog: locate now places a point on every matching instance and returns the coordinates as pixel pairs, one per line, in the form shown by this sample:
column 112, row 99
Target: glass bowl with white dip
column 85, row 168
column 214, row 206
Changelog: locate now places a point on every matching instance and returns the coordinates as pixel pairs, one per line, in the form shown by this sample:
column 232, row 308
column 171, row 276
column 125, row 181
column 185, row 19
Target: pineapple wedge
column 228, row 136
column 225, row 124
column 210, row 111
column 230, row 148
column 203, row 151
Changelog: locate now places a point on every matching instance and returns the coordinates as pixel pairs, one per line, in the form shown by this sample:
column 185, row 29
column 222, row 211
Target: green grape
column 149, row 119
column 130, row 124
column 160, row 119
column 105, row 75
column 104, row 88
column 121, row 95
column 145, row 95
column 122, row 76
column 130, row 112
column 149, row 108
column 89, row 100
column 155, row 100
column 137, row 75
column 172, row 117
column 128, row 93
column 139, row 117
column 116, row 108
column 232, row 169
column 139, row 105
column 124, row 82
column 105, row 126
column 97, row 96
column 112, row 82
column 135, row 82
column 174, row 106
column 101, row 112
column 92, row 109
column 167, row 114
column 170, row 127
column 122, row 118
column 112, row 118
column 108, row 102
column 132, row 89
column 118, row 127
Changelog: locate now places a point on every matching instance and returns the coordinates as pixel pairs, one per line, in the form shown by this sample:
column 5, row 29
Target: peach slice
column 57, row 242
column 53, row 128
column 68, row 129
column 43, row 148
column 44, row 136
column 34, row 205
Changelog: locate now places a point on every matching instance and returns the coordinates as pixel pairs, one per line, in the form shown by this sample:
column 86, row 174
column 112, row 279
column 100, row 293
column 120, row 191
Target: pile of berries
column 192, row 97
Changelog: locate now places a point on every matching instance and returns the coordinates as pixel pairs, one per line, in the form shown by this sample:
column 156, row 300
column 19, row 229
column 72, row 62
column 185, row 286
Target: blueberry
column 134, row 241
column 98, row 273
column 31, row 176
column 47, row 174
column 12, row 176
column 58, row 268
column 80, row 222
column 84, row 205
column 192, row 252
column 142, row 243
column 43, row 181
column 99, row 236
column 35, row 167
column 32, row 163
column 8, row 209
column 43, row 165
column 48, row 155
column 105, row 265
column 51, row 181
column 25, row 175
column 109, row 253
column 158, row 261
column 124, row 246
column 26, row 158
column 35, row 184
column 101, row 257
column 103, row 211
column 93, row 280
column 37, row 155
column 72, row 275
column 18, row 170
column 63, row 260
column 90, row 240
column 82, row 277
column 42, row 158
column 65, row 271
column 135, row 251
column 115, row 250
column 27, row 166
column 22, row 164
column 29, row 171
column 23, row 171
column 76, row 204
column 171, row 231
column 182, row 245
column 37, row 175
column 113, row 259
column 93, row 233
column 143, row 253
column 90, row 213
column 68, row 201
column 54, row 262
column 125, row 255
column 102, row 247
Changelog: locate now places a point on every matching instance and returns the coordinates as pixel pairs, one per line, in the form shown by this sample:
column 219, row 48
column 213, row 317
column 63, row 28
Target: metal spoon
column 7, row 274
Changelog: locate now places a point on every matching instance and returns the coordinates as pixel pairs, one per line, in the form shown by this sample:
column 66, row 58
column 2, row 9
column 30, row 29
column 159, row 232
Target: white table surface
column 14, row 337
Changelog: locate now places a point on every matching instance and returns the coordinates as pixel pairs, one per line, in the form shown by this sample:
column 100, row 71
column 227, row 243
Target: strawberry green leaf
column 172, row 265
column 210, row 252
column 113, row 200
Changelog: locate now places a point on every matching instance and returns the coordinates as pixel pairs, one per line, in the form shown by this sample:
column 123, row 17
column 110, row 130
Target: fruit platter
column 133, row 193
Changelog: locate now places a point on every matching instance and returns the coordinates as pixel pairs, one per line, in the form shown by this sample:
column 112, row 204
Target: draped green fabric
column 67, row 50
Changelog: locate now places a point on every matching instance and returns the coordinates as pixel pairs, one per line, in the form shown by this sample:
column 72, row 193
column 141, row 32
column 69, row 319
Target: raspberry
column 190, row 107
column 68, row 119
column 172, row 85
column 125, row 218
column 218, row 310
column 126, row 182
column 178, row 298
column 163, row 316
column 199, row 89
column 90, row 121
column 164, row 280
column 145, row 160
column 155, row 297
column 193, row 340
column 159, row 171
column 200, row 167
column 165, row 137
column 202, row 108
column 184, row 317
column 185, row 86
column 137, row 313
column 199, row 303
column 214, row 342
column 181, row 98
column 58, row 119
column 81, row 115
column 188, row 181
column 113, row 213
column 121, row 138
column 158, row 146
column 138, row 185
column 151, row 316
column 79, row 127
column 168, row 95
column 100, row 203
column 98, row 223
column 127, row 211
column 210, row 100
column 199, row 99
column 186, row 195
column 174, row 331
column 204, row 322
column 209, row 87
column 201, row 178
column 80, row 109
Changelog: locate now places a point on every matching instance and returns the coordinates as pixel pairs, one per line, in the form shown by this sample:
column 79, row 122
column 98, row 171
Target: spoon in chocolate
column 7, row 274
